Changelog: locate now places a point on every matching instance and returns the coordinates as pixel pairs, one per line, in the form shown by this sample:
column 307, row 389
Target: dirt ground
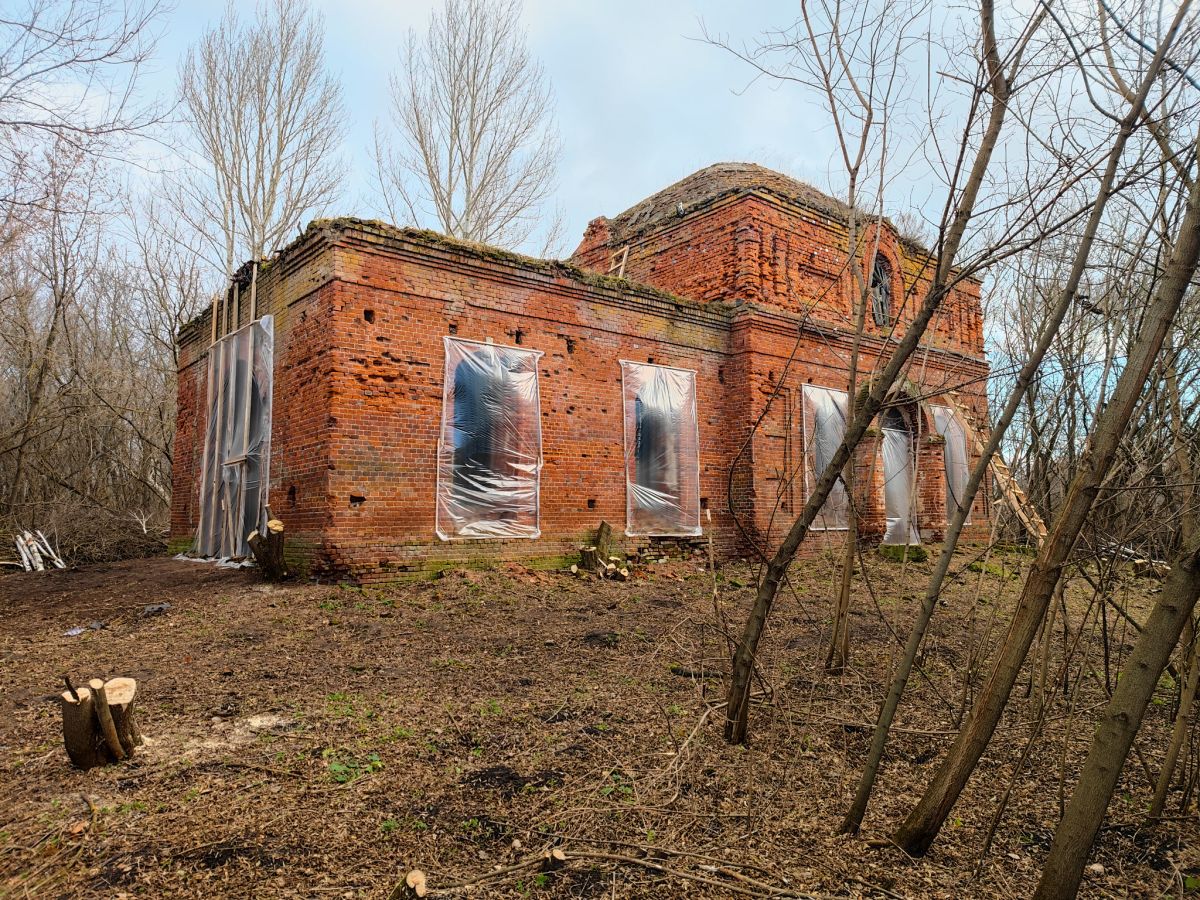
column 314, row 740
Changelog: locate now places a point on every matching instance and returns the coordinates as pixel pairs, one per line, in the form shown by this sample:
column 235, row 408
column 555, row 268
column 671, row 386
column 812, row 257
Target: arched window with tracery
column 881, row 291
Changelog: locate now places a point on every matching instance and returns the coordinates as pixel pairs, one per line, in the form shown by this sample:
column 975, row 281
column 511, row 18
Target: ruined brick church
column 402, row 400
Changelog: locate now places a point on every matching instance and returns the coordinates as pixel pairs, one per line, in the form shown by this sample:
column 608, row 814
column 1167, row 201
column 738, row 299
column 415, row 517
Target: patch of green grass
column 344, row 768
column 999, row 570
column 619, row 787
column 491, row 708
column 898, row 552
column 387, row 826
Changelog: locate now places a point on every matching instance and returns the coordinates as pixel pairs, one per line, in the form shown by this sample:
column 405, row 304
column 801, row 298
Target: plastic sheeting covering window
column 237, row 444
column 898, row 480
column 662, row 450
column 824, row 428
column 957, row 467
column 490, row 448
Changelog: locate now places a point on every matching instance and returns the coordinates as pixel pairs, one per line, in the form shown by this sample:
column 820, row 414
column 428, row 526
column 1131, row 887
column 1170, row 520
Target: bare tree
column 1055, row 314
column 923, row 824
column 991, row 92
column 68, row 69
column 853, row 56
column 1171, row 614
column 477, row 150
column 265, row 118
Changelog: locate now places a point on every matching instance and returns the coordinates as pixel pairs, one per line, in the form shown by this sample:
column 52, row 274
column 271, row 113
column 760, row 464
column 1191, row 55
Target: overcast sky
column 641, row 100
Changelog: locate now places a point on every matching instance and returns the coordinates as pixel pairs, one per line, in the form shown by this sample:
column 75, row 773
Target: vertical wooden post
column 254, row 290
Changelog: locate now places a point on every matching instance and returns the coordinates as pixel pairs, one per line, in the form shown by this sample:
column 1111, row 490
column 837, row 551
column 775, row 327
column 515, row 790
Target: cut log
column 104, row 717
column 413, row 885
column 99, row 725
column 268, row 551
column 604, row 540
column 121, row 693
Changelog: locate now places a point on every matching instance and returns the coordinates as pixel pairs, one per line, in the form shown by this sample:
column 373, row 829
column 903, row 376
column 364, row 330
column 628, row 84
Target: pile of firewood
column 36, row 553
column 598, row 559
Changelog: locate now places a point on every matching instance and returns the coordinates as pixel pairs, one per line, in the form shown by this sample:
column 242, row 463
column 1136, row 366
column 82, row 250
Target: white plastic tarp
column 662, row 450
column 237, row 443
column 957, row 471
column 824, row 411
column 490, row 447
column 898, row 480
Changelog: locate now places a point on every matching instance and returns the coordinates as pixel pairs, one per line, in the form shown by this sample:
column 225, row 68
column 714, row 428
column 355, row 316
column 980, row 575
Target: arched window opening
column 824, row 427
column 881, row 291
column 899, row 479
column 957, row 463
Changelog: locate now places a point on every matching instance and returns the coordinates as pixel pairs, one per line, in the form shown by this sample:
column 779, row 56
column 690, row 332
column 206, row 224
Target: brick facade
column 737, row 273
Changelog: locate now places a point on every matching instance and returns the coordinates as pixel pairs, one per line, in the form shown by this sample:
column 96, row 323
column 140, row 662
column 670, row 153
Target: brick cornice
column 751, row 316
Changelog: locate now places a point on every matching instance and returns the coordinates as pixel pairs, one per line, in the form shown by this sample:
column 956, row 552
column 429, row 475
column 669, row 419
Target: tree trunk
column 268, row 551
column 921, row 828
column 99, row 725
column 1122, row 717
column 738, row 705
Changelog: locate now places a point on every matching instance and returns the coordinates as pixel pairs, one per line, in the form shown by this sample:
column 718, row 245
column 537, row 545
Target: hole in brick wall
column 704, row 503
column 570, row 345
column 518, row 336
column 369, row 316
column 357, row 500
column 291, row 495
column 771, row 377
column 720, row 374
column 591, row 502
column 453, row 328
column 650, row 360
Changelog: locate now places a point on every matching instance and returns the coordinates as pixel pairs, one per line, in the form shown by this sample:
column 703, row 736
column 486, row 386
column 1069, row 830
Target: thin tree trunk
column 738, row 707
column 921, row 828
column 838, row 655
column 1187, row 697
column 1122, row 718
column 858, row 809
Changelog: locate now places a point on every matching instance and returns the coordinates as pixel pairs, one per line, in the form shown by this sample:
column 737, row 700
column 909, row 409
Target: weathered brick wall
column 399, row 296
column 361, row 310
column 296, row 290
column 760, row 248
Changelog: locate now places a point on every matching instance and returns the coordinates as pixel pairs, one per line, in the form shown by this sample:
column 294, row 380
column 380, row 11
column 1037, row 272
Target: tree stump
column 594, row 558
column 589, row 559
column 268, row 550
column 99, row 725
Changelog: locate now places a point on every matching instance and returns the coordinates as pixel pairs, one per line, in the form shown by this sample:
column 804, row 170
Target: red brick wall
column 388, row 392
column 296, row 290
column 760, row 248
column 361, row 311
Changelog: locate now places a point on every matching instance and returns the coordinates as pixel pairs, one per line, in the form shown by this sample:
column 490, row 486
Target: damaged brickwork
column 721, row 274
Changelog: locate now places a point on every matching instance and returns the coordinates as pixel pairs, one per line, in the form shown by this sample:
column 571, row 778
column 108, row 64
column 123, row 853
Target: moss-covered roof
column 553, row 267
column 727, row 179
